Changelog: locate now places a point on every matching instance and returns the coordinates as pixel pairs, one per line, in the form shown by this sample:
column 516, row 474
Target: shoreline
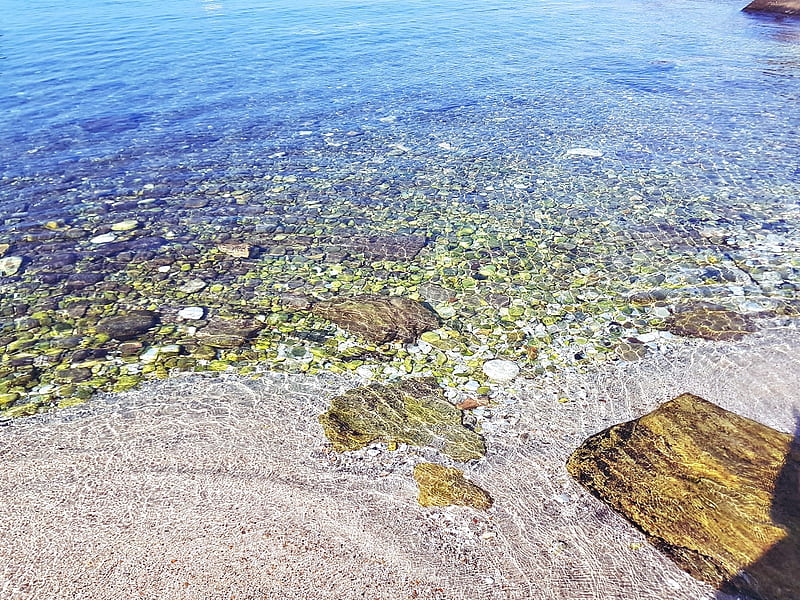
column 198, row 486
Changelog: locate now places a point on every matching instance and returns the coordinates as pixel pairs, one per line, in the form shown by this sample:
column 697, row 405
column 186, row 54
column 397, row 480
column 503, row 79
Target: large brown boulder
column 379, row 319
column 716, row 492
column 783, row 7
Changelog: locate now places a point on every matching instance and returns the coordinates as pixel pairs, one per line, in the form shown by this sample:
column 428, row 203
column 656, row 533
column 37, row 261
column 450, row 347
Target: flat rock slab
column 129, row 325
column 783, row 7
column 716, row 492
column 221, row 332
column 379, row 319
column 447, row 486
column 709, row 321
column 413, row 411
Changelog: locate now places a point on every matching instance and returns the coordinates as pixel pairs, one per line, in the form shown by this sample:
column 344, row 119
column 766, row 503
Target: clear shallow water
column 299, row 127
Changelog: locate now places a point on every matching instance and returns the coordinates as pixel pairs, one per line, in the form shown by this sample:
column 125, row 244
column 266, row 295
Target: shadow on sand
column 776, row 575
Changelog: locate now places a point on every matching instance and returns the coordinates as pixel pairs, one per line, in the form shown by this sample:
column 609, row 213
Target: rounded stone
column 126, row 225
column 103, row 239
column 500, row 370
column 191, row 313
column 127, row 326
column 9, row 265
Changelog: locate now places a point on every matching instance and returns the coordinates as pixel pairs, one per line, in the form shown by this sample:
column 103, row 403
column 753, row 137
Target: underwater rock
column 129, row 325
column 227, row 333
column 716, row 492
column 191, row 313
column 500, row 370
column 783, row 7
column 9, row 265
column 447, row 486
column 379, row 319
column 709, row 321
column 235, row 249
column 413, row 412
column 384, row 247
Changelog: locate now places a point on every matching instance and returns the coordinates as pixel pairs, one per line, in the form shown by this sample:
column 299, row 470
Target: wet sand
column 202, row 487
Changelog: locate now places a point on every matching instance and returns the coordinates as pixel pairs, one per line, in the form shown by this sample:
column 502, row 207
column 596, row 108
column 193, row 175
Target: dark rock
column 783, row 7
column 716, row 492
column 227, row 333
column 88, row 354
column 379, row 319
column 709, row 321
column 74, row 374
column 127, row 326
column 81, row 280
column 413, row 412
column 61, row 260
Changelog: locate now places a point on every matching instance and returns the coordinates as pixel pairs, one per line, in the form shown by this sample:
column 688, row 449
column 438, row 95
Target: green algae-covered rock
column 709, row 321
column 716, row 492
column 379, row 319
column 447, row 486
column 413, row 412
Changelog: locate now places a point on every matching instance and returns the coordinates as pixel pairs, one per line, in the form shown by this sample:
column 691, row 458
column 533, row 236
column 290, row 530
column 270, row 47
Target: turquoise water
column 557, row 155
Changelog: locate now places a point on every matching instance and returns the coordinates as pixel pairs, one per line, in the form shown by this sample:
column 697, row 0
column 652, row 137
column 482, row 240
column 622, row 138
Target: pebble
column 193, row 285
column 9, row 265
column 500, row 370
column 590, row 152
column 126, row 225
column 191, row 313
column 365, row 372
column 103, row 239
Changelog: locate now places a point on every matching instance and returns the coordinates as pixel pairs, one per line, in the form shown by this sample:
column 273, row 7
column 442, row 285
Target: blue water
column 149, row 86
column 594, row 149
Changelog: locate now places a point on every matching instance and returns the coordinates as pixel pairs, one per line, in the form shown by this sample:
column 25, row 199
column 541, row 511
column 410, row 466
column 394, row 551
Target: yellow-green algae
column 716, row 492
column 447, row 486
column 413, row 411
column 709, row 321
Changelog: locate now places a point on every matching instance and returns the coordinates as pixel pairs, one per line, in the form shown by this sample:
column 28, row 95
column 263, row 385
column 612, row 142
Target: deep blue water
column 144, row 88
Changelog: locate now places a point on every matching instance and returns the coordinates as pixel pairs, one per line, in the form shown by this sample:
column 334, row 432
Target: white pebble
column 191, row 313
column 103, row 239
column 365, row 372
column 591, row 152
column 500, row 370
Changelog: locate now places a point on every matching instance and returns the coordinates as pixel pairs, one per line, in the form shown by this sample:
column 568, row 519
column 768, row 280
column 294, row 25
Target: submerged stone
column 716, row 492
column 9, row 265
column 783, row 7
column 227, row 333
column 379, row 319
column 129, row 325
column 413, row 412
column 710, row 322
column 447, row 486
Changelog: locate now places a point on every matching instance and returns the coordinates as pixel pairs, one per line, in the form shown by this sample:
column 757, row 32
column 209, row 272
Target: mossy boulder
column 379, row 319
column 716, row 492
column 413, row 412
column 709, row 321
column 447, row 486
